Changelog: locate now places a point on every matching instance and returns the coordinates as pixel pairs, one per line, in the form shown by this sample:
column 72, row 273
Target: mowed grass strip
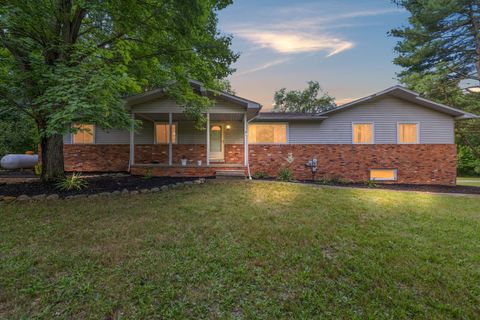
column 243, row 250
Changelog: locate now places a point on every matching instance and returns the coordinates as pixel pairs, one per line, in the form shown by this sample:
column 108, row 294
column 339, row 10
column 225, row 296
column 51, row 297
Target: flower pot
column 199, row 163
column 183, row 162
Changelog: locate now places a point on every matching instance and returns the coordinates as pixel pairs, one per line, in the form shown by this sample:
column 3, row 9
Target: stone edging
column 52, row 197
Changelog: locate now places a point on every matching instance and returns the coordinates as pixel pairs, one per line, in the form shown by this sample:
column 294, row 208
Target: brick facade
column 416, row 163
column 114, row 157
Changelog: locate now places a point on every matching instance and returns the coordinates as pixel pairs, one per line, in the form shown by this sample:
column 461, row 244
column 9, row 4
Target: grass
column 243, row 250
column 469, row 181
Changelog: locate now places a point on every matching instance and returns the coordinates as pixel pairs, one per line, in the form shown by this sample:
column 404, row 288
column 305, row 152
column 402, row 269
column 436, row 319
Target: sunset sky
column 342, row 44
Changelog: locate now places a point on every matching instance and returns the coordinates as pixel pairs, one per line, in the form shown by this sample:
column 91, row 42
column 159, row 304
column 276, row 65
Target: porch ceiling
column 182, row 117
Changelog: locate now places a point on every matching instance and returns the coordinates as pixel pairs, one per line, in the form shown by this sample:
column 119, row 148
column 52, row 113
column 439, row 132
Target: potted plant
column 183, row 161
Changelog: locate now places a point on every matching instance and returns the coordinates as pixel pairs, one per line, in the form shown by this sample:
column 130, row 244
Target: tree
column 443, row 35
column 17, row 134
column 439, row 52
column 311, row 100
column 66, row 61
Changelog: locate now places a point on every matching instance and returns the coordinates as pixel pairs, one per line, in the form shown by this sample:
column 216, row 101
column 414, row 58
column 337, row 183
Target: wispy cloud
column 289, row 42
column 263, row 66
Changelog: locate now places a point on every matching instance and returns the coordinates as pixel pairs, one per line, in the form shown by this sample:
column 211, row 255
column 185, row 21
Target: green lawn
column 465, row 181
column 243, row 250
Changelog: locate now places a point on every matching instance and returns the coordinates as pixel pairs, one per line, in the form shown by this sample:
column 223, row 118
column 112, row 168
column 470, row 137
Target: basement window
column 84, row 134
column 383, row 174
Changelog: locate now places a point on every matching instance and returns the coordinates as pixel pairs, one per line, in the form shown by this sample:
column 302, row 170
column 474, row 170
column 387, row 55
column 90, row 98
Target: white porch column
column 245, row 139
column 208, row 139
column 170, row 145
column 132, row 142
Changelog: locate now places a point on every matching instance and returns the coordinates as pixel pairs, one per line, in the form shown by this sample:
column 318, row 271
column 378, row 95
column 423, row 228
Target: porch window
column 162, row 133
column 362, row 133
column 84, row 134
column 407, row 133
column 383, row 174
column 267, row 133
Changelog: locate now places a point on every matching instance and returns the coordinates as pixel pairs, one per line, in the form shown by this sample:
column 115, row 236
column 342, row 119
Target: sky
column 342, row 44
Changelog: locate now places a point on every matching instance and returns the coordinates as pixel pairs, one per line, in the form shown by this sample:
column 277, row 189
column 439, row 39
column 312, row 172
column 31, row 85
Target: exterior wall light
column 228, row 127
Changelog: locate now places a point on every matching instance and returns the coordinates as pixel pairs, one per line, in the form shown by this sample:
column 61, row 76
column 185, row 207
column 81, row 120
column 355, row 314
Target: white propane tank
column 19, row 161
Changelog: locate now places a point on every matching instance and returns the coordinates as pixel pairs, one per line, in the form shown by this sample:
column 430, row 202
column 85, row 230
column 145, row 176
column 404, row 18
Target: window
column 407, row 133
column 162, row 133
column 383, row 174
column 362, row 133
column 84, row 134
column 267, row 133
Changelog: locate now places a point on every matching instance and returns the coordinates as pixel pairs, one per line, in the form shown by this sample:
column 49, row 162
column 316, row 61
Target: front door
column 216, row 142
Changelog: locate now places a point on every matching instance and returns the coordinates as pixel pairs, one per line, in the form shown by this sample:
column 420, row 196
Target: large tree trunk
column 52, row 158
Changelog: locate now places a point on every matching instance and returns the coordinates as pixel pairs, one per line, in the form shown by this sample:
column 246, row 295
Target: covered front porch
column 169, row 144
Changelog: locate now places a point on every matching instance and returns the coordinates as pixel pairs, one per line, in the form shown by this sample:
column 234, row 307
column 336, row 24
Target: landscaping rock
column 39, row 197
column 198, row 181
column 69, row 197
column 155, row 189
column 144, row 191
column 164, row 188
column 134, row 192
column 52, row 197
column 116, row 193
column 23, row 198
column 188, row 182
column 9, row 199
column 125, row 191
column 93, row 196
column 79, row 196
column 104, row 194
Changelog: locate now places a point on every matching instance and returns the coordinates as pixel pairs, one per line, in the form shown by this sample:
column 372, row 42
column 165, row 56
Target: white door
column 216, row 142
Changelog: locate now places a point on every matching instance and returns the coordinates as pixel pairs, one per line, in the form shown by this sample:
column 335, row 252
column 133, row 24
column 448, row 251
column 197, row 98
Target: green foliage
column 75, row 61
column 311, row 100
column 148, row 174
column 17, row 134
column 260, row 175
column 284, row 174
column 438, row 54
column 443, row 35
column 72, row 182
column 370, row 184
column 38, row 169
column 468, row 161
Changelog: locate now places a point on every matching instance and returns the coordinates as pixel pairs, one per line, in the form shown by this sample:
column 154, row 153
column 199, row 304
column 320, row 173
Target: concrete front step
column 230, row 174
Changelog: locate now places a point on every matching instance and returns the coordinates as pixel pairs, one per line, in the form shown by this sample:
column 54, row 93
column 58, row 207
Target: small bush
column 38, row 169
column 148, row 174
column 260, row 175
column 73, row 182
column 284, row 174
column 370, row 184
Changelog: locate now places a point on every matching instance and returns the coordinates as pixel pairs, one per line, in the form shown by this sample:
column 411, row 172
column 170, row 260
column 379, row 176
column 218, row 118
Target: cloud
column 290, row 42
column 343, row 101
column 263, row 66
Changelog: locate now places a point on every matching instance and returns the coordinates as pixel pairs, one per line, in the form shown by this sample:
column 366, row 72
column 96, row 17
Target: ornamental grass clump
column 73, row 182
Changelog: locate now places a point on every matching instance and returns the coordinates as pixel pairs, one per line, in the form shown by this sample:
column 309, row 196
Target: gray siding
column 435, row 127
column 168, row 105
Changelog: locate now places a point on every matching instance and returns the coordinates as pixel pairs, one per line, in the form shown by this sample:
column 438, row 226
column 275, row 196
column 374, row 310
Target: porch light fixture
column 228, row 127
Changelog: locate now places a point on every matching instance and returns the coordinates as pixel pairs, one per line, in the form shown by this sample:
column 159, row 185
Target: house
column 394, row 136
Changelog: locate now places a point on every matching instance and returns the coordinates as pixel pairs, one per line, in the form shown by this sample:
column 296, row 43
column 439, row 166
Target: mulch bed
column 96, row 184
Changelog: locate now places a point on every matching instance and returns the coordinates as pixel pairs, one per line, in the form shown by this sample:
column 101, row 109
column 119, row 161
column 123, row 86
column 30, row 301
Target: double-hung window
column 362, row 132
column 267, row 133
column 84, row 134
column 407, row 132
column 162, row 133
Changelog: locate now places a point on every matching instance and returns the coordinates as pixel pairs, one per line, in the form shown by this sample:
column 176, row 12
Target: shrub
column 73, row 182
column 148, row 174
column 284, row 174
column 260, row 175
column 370, row 184
column 38, row 169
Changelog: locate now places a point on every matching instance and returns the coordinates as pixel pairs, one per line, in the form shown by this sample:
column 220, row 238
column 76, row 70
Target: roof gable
column 408, row 95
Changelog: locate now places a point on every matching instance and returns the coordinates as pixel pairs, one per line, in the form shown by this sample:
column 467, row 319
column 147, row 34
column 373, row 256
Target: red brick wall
column 416, row 164
column 114, row 157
